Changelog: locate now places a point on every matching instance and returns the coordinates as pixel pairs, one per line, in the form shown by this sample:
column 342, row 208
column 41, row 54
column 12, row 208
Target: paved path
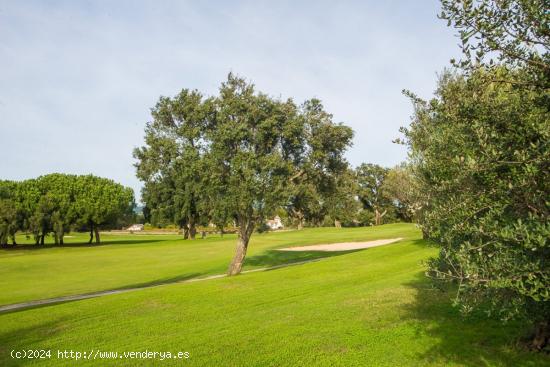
column 77, row 297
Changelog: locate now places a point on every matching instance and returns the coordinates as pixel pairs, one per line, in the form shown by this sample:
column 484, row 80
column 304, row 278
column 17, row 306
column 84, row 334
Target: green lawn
column 365, row 308
column 124, row 261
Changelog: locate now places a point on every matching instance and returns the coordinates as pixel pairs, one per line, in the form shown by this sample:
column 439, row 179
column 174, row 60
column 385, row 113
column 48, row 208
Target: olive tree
column 493, row 33
column 481, row 153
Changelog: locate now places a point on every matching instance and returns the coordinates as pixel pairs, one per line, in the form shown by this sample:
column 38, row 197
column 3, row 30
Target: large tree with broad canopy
column 240, row 155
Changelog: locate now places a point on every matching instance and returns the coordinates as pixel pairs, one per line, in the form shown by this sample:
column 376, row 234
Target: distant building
column 275, row 223
column 135, row 227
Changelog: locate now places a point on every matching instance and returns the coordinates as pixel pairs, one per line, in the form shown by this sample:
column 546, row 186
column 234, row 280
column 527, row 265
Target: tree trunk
column 337, row 223
column 300, row 216
column 378, row 216
column 246, row 228
column 42, row 239
column 13, row 242
column 96, row 231
column 55, row 239
column 541, row 336
column 61, row 235
column 237, row 264
column 192, row 228
column 185, row 232
column 91, row 233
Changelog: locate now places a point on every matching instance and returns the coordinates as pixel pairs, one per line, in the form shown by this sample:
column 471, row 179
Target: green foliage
column 342, row 204
column 171, row 163
column 9, row 219
column 370, row 178
column 398, row 186
column 238, row 157
column 101, row 203
column 382, row 191
column 481, row 154
column 55, row 203
column 515, row 32
column 318, row 169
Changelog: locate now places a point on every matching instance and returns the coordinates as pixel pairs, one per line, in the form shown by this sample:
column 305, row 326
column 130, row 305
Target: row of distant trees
column 367, row 195
column 58, row 203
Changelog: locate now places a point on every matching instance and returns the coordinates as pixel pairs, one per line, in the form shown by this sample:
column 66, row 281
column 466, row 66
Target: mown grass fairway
column 126, row 261
column 366, row 308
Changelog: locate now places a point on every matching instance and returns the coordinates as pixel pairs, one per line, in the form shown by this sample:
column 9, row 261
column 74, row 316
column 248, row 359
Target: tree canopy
column 238, row 156
column 57, row 203
column 481, row 154
column 480, row 157
column 511, row 33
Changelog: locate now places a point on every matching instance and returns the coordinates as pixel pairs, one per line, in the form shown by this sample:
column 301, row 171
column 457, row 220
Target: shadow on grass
column 32, row 247
column 274, row 257
column 159, row 282
column 83, row 296
column 470, row 341
column 17, row 340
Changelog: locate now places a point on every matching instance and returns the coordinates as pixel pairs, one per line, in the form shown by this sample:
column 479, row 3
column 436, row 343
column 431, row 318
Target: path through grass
column 129, row 261
column 365, row 308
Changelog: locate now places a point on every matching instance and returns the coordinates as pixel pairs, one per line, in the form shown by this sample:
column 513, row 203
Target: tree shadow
column 32, row 247
column 126, row 288
column 274, row 257
column 25, row 338
column 159, row 282
column 470, row 341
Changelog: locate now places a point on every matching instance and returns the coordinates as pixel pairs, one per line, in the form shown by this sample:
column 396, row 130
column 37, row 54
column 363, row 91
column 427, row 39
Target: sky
column 78, row 78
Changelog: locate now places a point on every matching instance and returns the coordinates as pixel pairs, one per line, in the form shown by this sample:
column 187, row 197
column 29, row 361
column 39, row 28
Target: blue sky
column 79, row 78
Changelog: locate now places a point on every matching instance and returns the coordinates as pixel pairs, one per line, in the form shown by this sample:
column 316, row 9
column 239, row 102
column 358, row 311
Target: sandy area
column 344, row 246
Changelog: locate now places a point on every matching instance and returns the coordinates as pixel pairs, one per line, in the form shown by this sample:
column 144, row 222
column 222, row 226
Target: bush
column 481, row 155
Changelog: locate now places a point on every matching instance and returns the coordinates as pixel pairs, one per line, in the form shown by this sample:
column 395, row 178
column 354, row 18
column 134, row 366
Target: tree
column 238, row 156
column 342, row 204
column 27, row 197
column 254, row 142
column 514, row 32
column 57, row 204
column 398, row 188
column 319, row 165
column 370, row 178
column 481, row 154
column 8, row 212
column 171, row 163
column 100, row 203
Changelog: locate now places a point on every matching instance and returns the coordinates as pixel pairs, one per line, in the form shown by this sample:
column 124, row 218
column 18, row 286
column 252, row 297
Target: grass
column 365, row 308
column 126, row 261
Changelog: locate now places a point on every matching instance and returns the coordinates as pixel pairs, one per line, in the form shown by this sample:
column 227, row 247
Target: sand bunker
column 344, row 246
